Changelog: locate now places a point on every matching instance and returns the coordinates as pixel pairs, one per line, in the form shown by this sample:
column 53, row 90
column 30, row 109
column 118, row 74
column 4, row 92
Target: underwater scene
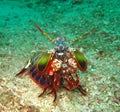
column 59, row 55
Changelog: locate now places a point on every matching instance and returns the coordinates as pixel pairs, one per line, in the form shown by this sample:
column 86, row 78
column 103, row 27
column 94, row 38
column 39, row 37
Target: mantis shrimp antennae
column 43, row 33
column 82, row 36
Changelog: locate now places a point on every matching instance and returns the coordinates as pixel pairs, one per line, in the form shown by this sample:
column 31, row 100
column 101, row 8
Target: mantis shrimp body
column 57, row 67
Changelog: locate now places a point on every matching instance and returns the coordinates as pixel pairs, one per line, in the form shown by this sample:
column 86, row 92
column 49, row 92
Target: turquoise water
column 19, row 40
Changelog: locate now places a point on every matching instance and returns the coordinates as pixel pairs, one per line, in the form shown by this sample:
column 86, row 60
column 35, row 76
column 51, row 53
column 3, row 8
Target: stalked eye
column 43, row 61
column 81, row 60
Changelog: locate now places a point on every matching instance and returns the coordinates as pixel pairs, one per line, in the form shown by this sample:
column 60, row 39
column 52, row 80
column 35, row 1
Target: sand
column 19, row 40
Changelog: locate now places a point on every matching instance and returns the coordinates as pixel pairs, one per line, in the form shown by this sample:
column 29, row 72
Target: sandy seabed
column 19, row 40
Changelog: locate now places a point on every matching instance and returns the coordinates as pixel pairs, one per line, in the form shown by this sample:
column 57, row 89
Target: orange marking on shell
column 56, row 64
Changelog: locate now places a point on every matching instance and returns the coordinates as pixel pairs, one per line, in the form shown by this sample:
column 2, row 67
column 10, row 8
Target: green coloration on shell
column 43, row 61
column 79, row 56
column 81, row 60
